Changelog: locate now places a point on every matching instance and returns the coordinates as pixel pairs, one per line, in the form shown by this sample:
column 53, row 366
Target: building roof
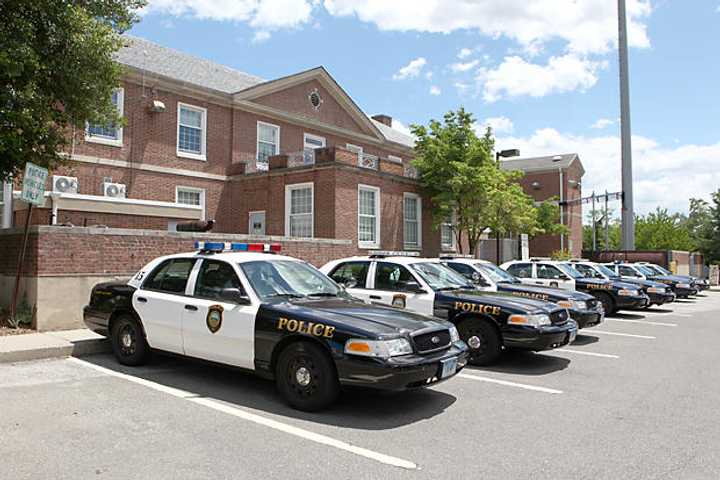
column 151, row 57
column 538, row 164
column 144, row 55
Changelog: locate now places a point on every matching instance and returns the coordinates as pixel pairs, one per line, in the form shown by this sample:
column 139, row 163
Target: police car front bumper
column 661, row 298
column 540, row 338
column 685, row 292
column 636, row 301
column 587, row 318
column 405, row 372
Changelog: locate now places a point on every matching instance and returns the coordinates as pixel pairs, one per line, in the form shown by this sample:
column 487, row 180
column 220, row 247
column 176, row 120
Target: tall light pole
column 628, row 214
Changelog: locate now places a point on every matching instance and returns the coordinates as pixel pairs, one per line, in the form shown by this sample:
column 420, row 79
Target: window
column 351, row 274
column 520, row 270
column 108, row 134
column 412, row 218
column 191, row 131
column 283, row 279
column 463, row 269
column 392, row 277
column 549, row 272
column 191, row 196
column 587, row 271
column 213, row 278
column 310, row 144
column 171, row 276
column 257, row 223
column 268, row 143
column 627, row 271
column 368, row 217
column 447, row 233
column 299, row 210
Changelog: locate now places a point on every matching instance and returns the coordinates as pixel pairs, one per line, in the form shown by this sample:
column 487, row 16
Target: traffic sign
column 33, row 190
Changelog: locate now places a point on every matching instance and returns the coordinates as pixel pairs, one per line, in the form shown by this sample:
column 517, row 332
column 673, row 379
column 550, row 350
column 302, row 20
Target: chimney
column 386, row 119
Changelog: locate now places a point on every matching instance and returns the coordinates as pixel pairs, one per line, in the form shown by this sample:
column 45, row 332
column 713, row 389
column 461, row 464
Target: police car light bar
column 451, row 256
column 391, row 253
column 237, row 247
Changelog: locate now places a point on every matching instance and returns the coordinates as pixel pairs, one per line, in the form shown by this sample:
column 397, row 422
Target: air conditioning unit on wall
column 116, row 190
column 62, row 184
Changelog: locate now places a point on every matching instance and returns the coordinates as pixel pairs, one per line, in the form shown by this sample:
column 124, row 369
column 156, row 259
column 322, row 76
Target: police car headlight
column 683, row 285
column 536, row 320
column 628, row 293
column 378, row 348
column 454, row 335
column 656, row 290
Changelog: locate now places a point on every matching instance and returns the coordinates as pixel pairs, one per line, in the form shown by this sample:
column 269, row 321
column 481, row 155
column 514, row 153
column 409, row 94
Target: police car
column 583, row 307
column 613, row 295
column 658, row 293
column 246, row 306
column 699, row 283
column 681, row 287
column 487, row 322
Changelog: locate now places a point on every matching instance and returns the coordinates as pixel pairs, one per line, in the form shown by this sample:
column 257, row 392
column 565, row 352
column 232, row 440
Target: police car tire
column 490, row 341
column 137, row 351
column 607, row 302
column 323, row 387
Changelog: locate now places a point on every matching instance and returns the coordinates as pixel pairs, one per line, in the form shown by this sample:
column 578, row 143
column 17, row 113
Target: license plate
column 448, row 367
column 571, row 335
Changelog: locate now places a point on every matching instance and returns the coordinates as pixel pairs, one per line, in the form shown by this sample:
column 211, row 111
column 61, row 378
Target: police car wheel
column 607, row 303
column 306, row 377
column 484, row 341
column 128, row 341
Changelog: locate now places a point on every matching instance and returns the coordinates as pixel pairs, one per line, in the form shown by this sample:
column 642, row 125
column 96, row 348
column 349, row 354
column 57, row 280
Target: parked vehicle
column 246, row 306
column 487, row 322
column 613, row 295
column 681, row 287
column 584, row 308
column 699, row 283
column 658, row 293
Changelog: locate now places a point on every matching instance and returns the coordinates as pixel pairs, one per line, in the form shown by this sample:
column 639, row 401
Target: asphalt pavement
column 634, row 398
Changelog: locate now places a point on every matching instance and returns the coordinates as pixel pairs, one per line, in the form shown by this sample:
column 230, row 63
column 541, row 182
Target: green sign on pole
column 33, row 190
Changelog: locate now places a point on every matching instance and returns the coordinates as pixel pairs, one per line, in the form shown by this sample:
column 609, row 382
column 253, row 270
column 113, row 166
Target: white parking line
column 643, row 322
column 509, row 384
column 590, row 354
column 602, row 332
column 258, row 419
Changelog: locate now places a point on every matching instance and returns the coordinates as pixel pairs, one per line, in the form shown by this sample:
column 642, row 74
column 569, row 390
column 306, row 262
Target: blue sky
column 544, row 73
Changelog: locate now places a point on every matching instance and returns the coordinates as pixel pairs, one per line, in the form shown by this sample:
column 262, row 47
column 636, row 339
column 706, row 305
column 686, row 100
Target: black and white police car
column 246, row 306
column 488, row 322
column 585, row 309
column 699, row 283
column 681, row 287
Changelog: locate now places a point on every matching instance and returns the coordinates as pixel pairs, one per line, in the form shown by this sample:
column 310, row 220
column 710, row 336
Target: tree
column 548, row 216
column 56, row 74
column 660, row 230
column 706, row 222
column 458, row 173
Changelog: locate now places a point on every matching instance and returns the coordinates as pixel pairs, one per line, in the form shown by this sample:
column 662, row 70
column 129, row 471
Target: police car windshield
column 287, row 279
column 440, row 277
column 658, row 269
column 496, row 273
column 648, row 272
column 606, row 271
column 570, row 271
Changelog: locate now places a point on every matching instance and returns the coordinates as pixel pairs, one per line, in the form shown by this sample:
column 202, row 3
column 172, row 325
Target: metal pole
column 594, row 236
column 562, row 217
column 607, row 223
column 628, row 215
column 21, row 259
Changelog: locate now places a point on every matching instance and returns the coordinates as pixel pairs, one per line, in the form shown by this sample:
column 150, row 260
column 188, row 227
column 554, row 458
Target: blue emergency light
column 215, row 247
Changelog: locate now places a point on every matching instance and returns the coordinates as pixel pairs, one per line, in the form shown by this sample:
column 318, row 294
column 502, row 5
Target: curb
column 43, row 346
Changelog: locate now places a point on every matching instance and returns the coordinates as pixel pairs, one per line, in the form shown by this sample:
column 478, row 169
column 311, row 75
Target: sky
column 542, row 73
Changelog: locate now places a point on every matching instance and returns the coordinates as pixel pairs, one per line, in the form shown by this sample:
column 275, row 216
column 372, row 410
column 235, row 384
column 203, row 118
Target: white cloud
column 516, row 77
column 261, row 36
column 435, row 90
column 429, row 75
column 461, row 87
column 665, row 176
column 587, row 26
column 498, row 124
column 464, row 67
column 410, row 70
column 464, row 53
column 602, row 123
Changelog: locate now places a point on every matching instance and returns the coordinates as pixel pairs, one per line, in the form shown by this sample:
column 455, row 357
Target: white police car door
column 159, row 303
column 214, row 327
column 551, row 276
column 523, row 271
column 393, row 284
column 353, row 275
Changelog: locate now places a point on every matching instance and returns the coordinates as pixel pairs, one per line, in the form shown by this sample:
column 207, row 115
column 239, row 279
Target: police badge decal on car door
column 214, row 318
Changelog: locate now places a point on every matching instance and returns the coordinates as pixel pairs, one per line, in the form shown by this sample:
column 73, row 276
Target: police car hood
column 642, row 283
column 552, row 294
column 509, row 303
column 672, row 278
column 593, row 282
column 358, row 316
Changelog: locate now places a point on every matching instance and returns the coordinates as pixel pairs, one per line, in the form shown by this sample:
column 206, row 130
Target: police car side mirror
column 410, row 286
column 349, row 283
column 234, row 295
column 477, row 279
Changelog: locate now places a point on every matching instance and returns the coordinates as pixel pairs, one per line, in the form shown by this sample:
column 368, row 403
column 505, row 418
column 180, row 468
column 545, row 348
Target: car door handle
column 192, row 308
column 375, row 297
column 142, row 299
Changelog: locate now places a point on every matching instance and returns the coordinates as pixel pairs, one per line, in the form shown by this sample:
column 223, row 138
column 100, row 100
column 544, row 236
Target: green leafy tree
column 660, row 230
column 56, row 73
column 459, row 173
column 710, row 231
column 548, row 218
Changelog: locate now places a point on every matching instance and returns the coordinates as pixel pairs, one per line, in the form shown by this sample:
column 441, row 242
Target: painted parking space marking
column 589, row 354
column 642, row 322
column 497, row 381
column 254, row 418
column 632, row 335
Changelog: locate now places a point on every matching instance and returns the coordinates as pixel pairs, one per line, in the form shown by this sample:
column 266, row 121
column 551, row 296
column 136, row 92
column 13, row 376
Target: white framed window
column 412, row 221
column 394, row 158
column 108, row 134
column 310, row 144
column 447, row 234
column 299, row 210
column 191, row 131
column 256, row 222
column 191, row 196
column 268, row 143
column 368, row 216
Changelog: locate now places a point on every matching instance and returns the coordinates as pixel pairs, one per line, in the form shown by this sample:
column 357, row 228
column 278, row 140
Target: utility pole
column 607, row 223
column 594, row 224
column 628, row 214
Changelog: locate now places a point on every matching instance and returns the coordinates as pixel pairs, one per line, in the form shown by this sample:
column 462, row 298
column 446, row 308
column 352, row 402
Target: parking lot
column 636, row 397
